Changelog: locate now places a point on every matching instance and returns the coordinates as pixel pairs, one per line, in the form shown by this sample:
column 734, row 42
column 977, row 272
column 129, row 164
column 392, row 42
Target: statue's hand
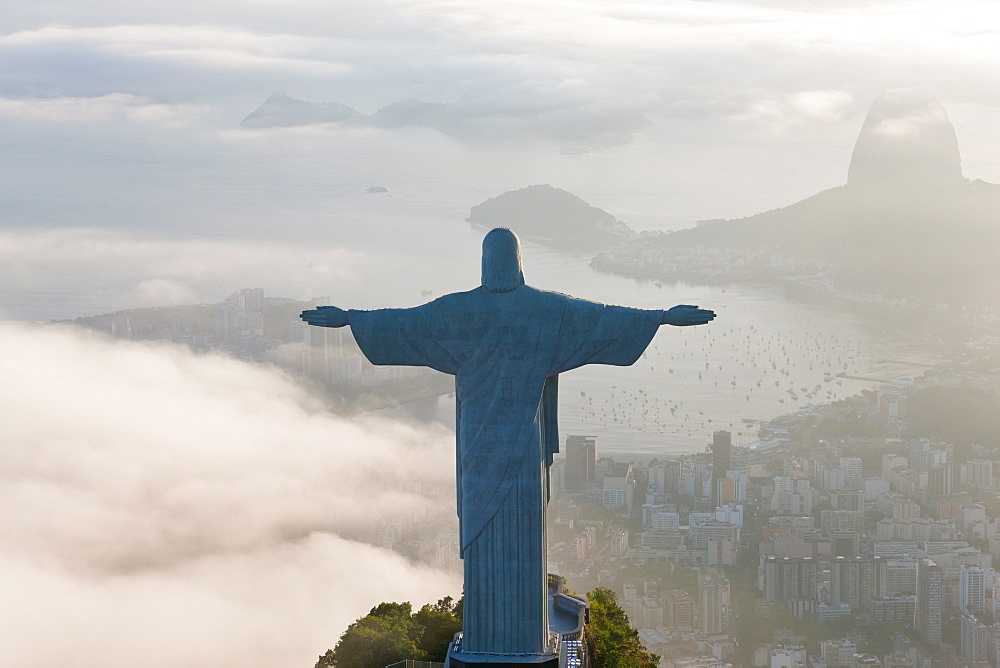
column 685, row 315
column 325, row 316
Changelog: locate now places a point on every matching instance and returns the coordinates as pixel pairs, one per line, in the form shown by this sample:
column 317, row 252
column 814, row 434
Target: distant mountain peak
column 582, row 129
column 282, row 110
column 908, row 141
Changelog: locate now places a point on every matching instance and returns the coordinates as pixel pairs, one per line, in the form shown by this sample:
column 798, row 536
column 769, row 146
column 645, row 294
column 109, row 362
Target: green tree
column 392, row 632
column 682, row 500
column 962, row 416
column 615, row 644
column 388, row 634
column 440, row 624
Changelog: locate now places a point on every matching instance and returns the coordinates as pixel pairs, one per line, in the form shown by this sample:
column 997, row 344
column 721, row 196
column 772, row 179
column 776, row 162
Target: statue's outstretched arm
column 684, row 315
column 325, row 316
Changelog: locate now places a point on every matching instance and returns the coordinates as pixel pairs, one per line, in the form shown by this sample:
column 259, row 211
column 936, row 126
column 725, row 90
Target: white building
column 972, row 589
column 733, row 514
column 979, row 474
column 853, row 477
column 618, row 487
column 662, row 520
column 788, row 658
column 792, row 496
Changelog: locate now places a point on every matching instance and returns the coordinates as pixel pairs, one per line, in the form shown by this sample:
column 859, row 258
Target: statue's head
column 502, row 261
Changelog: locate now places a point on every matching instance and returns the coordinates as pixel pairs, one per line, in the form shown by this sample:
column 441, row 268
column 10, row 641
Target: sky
column 125, row 117
column 157, row 500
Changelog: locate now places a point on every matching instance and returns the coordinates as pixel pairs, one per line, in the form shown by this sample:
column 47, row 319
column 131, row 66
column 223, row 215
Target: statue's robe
column 506, row 350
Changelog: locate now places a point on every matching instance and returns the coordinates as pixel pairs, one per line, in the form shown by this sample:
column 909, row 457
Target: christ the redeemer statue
column 506, row 344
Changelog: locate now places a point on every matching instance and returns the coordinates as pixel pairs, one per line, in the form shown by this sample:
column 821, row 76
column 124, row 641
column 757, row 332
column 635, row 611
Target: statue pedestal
column 566, row 614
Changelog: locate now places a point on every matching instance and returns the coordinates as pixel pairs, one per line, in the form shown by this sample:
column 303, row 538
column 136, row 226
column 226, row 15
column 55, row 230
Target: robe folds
column 505, row 350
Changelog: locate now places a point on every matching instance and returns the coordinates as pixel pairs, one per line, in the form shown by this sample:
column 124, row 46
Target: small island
column 552, row 217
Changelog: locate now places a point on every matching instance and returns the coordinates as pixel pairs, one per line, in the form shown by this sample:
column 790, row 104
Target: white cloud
column 204, row 46
column 780, row 114
column 104, row 108
column 825, row 106
column 133, row 271
column 714, row 53
column 233, row 59
column 164, row 509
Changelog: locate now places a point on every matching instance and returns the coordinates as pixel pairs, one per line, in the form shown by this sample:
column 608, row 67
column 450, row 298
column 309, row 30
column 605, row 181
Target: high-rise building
column 845, row 543
column 993, row 645
column 724, row 491
column 713, row 601
column 251, row 300
column 618, row 541
column 619, row 486
column 672, row 477
column 853, row 476
column 854, row 582
column 664, row 520
column 847, row 499
column 972, row 589
column 830, row 477
column 789, row 579
column 979, row 474
column 731, row 513
column 851, row 520
column 900, row 577
column 974, row 639
column 699, row 481
column 930, row 601
column 722, row 460
column 894, row 609
column 792, row 496
column 712, row 529
column 581, row 462
column 943, row 479
column 657, row 475
column 678, row 608
column 300, row 338
column 721, row 552
column 741, row 484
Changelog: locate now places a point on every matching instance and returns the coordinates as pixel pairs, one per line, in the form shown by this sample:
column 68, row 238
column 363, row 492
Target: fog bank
column 163, row 509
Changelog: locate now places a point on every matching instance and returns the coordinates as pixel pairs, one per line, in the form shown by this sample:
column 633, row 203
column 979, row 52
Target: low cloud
column 204, row 46
column 814, row 107
column 717, row 57
column 166, row 509
column 114, row 107
column 130, row 271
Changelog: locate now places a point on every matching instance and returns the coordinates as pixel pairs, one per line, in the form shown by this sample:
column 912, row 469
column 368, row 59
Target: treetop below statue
column 506, row 344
